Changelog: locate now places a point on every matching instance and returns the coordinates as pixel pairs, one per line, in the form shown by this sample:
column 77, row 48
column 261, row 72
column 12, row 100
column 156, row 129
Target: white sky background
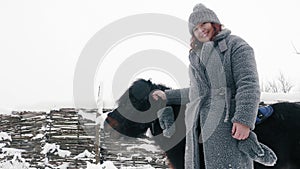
column 40, row 41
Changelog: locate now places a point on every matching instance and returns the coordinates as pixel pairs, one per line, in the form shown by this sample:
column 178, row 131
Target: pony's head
column 135, row 103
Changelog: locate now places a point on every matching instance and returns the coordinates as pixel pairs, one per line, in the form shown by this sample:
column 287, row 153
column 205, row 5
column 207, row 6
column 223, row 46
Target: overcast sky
column 41, row 41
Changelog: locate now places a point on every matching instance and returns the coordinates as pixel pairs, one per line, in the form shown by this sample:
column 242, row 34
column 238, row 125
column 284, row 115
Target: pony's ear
column 162, row 87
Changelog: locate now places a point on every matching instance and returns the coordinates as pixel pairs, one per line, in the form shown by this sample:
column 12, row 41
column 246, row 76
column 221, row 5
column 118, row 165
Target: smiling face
column 204, row 32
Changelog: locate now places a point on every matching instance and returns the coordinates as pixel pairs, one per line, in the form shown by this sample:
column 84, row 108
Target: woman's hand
column 240, row 131
column 159, row 94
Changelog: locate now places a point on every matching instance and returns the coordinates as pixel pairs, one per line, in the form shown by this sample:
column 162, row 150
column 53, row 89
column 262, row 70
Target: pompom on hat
column 201, row 14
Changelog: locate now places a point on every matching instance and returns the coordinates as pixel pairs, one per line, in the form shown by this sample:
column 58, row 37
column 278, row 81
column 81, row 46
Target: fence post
column 98, row 114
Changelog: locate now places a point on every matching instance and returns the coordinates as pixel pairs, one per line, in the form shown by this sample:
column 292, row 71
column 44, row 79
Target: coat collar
column 222, row 35
column 220, row 40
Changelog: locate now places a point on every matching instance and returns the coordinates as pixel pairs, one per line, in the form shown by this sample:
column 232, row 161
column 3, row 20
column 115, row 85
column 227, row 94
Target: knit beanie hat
column 201, row 14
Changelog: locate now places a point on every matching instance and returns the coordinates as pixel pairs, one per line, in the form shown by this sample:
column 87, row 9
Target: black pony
column 280, row 131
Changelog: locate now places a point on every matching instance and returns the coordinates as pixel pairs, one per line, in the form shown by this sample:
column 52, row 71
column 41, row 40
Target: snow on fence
column 65, row 139
column 48, row 139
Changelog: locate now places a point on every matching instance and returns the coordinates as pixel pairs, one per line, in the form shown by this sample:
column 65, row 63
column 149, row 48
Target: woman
column 223, row 97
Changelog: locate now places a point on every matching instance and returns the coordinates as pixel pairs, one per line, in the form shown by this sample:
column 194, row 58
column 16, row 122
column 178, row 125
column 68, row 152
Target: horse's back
column 281, row 133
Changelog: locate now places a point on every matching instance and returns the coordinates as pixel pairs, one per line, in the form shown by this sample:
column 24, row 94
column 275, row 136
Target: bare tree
column 281, row 85
column 285, row 85
column 272, row 87
column 295, row 48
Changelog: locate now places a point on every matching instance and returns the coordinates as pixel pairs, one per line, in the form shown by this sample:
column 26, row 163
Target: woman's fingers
column 240, row 131
column 233, row 129
column 159, row 94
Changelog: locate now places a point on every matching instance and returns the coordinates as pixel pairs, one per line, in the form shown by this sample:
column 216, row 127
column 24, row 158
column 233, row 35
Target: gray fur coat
column 224, row 88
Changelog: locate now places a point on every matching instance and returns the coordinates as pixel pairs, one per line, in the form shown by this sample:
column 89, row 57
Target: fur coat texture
column 224, row 88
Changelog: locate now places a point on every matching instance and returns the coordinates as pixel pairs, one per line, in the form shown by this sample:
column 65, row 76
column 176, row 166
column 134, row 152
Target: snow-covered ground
column 270, row 98
column 18, row 162
column 110, row 165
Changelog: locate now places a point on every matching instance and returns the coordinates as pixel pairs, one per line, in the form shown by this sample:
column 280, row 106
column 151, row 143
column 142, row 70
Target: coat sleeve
column 246, row 80
column 177, row 96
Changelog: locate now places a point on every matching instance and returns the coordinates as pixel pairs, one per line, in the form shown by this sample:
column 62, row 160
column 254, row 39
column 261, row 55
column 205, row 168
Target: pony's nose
column 110, row 128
